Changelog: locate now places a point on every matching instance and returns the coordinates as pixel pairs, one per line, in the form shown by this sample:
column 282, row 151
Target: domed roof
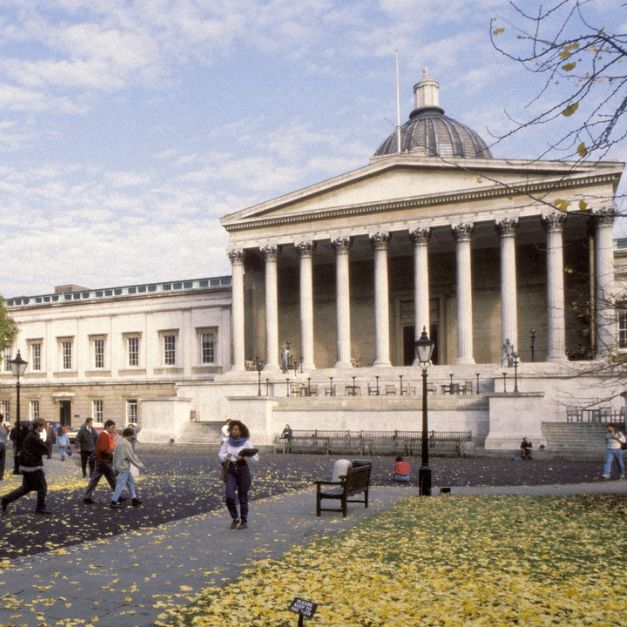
column 430, row 133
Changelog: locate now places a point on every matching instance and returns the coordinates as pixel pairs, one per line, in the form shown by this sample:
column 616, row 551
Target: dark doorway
column 409, row 351
column 65, row 413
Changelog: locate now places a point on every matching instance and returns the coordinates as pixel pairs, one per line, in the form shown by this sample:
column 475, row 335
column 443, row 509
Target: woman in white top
column 233, row 454
column 613, row 438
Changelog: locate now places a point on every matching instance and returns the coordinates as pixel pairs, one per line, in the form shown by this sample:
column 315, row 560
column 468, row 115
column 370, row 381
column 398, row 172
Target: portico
column 466, row 270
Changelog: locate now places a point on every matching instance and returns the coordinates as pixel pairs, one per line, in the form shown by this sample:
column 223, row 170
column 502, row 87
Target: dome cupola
column 430, row 133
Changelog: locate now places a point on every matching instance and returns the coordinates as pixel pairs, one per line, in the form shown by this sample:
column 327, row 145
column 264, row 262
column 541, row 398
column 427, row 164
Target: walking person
column 123, row 457
column 234, row 453
column 63, row 442
column 32, row 469
column 49, row 437
column 105, row 444
column 4, row 437
column 613, row 439
column 86, row 444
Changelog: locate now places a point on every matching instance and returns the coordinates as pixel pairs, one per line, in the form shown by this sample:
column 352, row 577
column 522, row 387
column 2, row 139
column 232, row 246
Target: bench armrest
column 329, row 482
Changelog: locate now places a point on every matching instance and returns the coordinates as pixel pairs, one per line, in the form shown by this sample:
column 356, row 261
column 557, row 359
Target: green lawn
column 445, row 561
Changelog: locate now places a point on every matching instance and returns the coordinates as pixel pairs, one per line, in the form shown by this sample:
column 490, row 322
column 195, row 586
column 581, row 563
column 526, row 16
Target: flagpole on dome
column 398, row 105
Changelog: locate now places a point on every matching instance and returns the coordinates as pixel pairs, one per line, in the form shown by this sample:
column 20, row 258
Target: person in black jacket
column 32, row 468
column 86, row 444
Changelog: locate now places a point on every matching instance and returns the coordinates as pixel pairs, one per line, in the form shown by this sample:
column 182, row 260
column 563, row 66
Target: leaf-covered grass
column 444, row 561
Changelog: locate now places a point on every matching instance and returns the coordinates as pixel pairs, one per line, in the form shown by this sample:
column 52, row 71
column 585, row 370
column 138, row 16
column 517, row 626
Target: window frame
column 33, row 409
column 35, row 360
column 622, row 327
column 131, row 402
column 97, row 409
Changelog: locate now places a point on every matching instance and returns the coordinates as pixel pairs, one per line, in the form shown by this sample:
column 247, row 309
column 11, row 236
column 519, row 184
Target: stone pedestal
column 163, row 419
column 512, row 417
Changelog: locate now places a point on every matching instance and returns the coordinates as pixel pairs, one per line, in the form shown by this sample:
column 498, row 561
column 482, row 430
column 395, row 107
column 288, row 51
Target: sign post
column 304, row 609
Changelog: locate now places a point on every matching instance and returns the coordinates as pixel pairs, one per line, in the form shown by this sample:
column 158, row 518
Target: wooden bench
column 356, row 481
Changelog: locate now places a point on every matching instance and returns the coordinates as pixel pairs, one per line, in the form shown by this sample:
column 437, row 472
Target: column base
column 382, row 364
column 465, row 361
column 343, row 364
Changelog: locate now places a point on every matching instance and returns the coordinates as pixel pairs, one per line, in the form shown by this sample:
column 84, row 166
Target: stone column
column 381, row 300
column 342, row 245
column 556, row 321
column 272, row 308
column 237, row 309
column 422, row 313
column 305, row 250
column 509, row 304
column 606, row 328
column 463, row 233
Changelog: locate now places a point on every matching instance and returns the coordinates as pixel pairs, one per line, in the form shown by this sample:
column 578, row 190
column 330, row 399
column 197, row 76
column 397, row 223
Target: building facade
column 331, row 286
column 101, row 352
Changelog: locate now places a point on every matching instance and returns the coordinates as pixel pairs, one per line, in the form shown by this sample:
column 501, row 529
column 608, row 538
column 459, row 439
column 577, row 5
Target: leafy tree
column 583, row 90
column 8, row 328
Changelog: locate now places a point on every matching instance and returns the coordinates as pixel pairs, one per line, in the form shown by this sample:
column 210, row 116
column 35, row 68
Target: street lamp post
column 259, row 365
column 424, row 350
column 532, row 337
column 18, row 368
column 516, row 361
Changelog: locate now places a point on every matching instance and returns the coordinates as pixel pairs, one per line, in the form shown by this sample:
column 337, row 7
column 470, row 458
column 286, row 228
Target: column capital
column 463, row 231
column 305, row 248
column 420, row 235
column 236, row 255
column 507, row 227
column 604, row 217
column 269, row 252
column 341, row 244
column 379, row 240
column 554, row 222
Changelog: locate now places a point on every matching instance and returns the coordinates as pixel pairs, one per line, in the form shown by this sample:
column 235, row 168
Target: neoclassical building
column 489, row 256
column 436, row 234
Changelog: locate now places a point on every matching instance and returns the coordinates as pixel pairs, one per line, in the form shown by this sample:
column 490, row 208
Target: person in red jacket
column 104, row 461
column 401, row 470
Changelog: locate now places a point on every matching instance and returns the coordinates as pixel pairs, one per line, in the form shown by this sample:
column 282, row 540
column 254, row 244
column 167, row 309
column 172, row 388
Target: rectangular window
column 35, row 356
column 622, row 328
column 131, row 411
column 169, row 350
column 6, row 360
column 207, row 348
column 99, row 353
column 97, row 410
column 66, row 352
column 133, row 351
column 34, row 410
column 5, row 410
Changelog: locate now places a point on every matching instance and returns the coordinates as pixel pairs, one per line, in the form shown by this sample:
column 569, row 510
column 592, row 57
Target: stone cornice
column 462, row 196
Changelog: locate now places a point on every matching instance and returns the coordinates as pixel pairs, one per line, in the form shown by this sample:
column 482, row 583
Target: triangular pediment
column 401, row 177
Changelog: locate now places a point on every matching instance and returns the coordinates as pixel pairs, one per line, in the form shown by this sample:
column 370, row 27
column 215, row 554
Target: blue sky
column 128, row 128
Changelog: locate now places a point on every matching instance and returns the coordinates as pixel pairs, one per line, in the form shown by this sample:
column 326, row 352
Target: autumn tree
column 8, row 328
column 582, row 91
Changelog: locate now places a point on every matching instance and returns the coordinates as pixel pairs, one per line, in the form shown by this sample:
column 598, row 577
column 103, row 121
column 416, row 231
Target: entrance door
column 65, row 413
column 409, row 348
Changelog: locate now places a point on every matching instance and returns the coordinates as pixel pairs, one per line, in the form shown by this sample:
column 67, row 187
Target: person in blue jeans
column 233, row 454
column 63, row 442
column 613, row 438
column 123, row 457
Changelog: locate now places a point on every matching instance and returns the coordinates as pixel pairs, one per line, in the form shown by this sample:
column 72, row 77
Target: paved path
column 125, row 579
column 122, row 579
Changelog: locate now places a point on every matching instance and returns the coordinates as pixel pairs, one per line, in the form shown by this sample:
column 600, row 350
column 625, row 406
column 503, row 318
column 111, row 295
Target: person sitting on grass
column 401, row 470
column 123, row 457
column 525, row 448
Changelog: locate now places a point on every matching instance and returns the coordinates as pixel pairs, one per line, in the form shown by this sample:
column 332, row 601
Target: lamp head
column 18, row 365
column 424, row 349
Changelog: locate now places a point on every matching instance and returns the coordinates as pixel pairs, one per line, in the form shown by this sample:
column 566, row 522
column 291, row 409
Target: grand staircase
column 575, row 439
column 202, row 433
